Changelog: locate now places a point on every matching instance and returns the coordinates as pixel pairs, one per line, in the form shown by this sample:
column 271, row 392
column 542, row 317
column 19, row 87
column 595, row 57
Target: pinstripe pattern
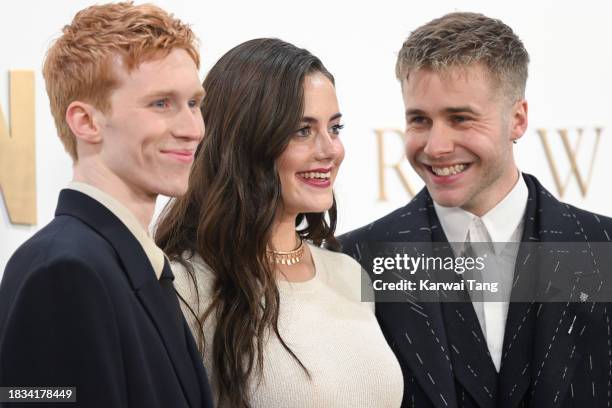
column 554, row 354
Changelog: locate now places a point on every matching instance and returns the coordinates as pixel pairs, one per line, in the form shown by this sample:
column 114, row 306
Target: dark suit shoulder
column 574, row 222
column 596, row 227
column 58, row 326
column 66, row 251
column 66, row 245
column 56, row 278
column 404, row 223
column 378, row 229
column 64, row 238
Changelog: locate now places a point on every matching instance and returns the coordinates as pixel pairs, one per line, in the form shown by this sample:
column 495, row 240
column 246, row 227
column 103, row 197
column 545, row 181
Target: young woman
column 278, row 319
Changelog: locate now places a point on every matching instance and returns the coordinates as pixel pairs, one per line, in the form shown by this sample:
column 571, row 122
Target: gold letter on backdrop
column 572, row 153
column 17, row 150
column 380, row 135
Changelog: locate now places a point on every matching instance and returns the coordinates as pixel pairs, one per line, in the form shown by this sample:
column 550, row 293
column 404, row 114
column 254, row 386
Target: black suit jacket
column 81, row 306
column 554, row 354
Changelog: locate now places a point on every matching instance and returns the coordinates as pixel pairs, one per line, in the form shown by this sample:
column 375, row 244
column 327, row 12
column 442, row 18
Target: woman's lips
column 316, row 177
column 316, row 182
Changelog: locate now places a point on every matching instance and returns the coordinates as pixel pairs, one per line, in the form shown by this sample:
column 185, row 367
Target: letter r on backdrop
column 383, row 165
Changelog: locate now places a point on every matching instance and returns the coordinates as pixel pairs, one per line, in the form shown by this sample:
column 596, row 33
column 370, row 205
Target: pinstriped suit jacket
column 554, row 354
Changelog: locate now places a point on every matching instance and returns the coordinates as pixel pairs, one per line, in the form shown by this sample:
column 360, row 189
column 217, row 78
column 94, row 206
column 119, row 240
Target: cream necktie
column 476, row 236
column 489, row 310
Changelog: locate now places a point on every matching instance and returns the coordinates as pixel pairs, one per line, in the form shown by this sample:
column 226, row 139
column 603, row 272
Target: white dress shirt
column 499, row 226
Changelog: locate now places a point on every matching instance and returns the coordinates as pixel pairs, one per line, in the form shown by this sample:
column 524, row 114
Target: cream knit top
column 333, row 333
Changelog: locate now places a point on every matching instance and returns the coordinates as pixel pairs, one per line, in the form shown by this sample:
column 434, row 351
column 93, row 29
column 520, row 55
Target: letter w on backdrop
column 17, row 150
column 572, row 155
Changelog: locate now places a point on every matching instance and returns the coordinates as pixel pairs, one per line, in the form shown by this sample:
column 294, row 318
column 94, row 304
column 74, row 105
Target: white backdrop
column 569, row 84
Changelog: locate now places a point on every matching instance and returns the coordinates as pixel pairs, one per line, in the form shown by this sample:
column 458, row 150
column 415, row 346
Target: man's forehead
column 455, row 73
column 150, row 62
column 457, row 86
column 157, row 75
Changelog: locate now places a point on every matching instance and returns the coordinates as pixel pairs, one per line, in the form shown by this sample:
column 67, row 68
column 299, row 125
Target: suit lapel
column 472, row 364
column 439, row 341
column 517, row 352
column 415, row 330
column 173, row 337
column 416, row 333
column 142, row 278
column 542, row 343
column 561, row 328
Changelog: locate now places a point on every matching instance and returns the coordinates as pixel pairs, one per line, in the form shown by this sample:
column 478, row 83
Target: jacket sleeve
column 61, row 331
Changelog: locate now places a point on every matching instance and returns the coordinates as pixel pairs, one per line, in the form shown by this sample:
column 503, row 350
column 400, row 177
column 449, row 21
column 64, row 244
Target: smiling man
column 459, row 133
column 463, row 80
column 88, row 301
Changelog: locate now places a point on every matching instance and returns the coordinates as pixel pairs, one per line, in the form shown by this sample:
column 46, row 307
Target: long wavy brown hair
column 253, row 106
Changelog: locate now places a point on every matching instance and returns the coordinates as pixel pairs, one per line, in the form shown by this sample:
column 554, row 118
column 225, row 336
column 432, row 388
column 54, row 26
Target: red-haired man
column 88, row 301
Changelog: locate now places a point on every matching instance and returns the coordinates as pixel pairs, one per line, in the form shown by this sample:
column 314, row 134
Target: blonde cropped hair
column 463, row 39
column 80, row 63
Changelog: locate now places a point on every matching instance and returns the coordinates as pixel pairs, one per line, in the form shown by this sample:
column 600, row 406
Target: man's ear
column 518, row 120
column 84, row 121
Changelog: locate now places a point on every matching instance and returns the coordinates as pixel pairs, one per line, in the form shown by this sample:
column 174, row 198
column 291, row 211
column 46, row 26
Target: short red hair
column 80, row 64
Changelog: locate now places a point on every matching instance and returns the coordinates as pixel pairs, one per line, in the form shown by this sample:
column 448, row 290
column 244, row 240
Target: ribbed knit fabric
column 334, row 334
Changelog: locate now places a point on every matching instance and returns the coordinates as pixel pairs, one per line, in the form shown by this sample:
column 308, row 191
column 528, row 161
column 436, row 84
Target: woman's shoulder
column 340, row 272
column 335, row 260
column 333, row 256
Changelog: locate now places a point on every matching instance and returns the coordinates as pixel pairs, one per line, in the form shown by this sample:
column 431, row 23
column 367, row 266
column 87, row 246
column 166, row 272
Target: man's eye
column 194, row 103
column 160, row 103
column 417, row 120
column 460, row 119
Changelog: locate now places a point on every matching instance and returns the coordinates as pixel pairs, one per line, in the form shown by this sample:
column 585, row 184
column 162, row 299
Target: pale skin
column 315, row 146
column 144, row 145
column 457, row 118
